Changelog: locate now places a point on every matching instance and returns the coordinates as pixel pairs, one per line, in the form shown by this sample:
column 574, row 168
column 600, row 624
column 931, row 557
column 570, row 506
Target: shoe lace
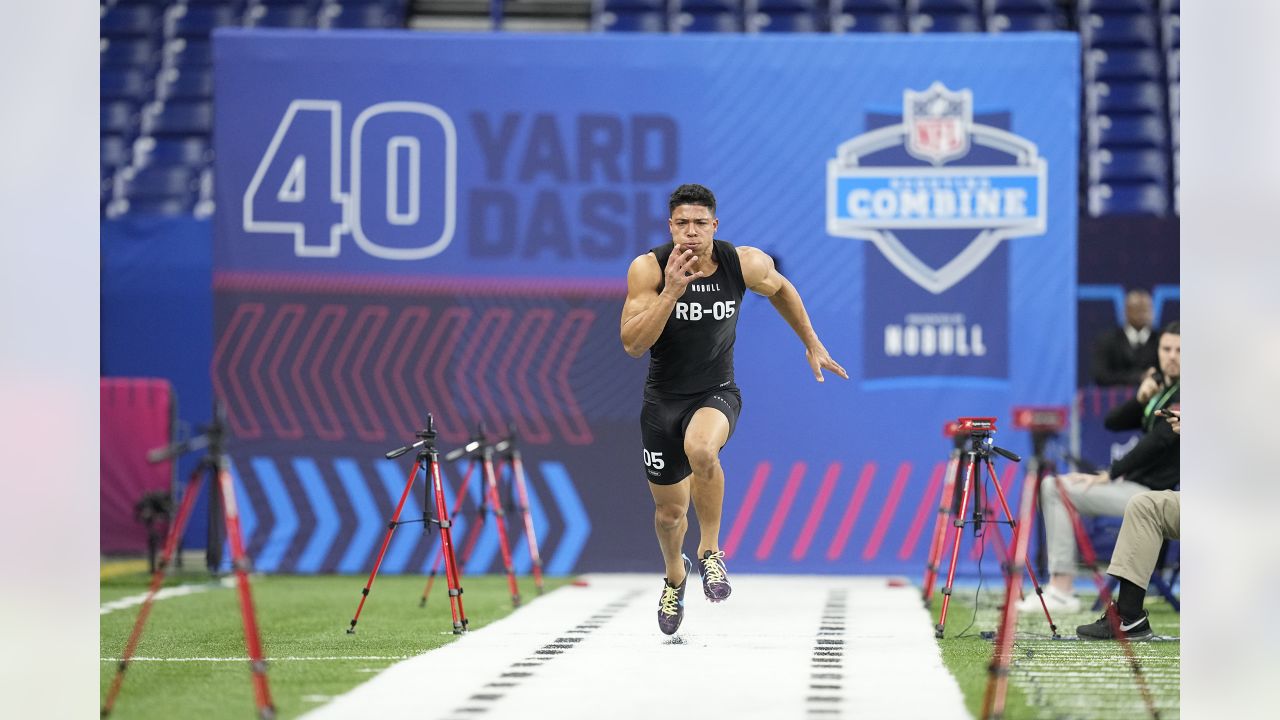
column 670, row 603
column 713, row 567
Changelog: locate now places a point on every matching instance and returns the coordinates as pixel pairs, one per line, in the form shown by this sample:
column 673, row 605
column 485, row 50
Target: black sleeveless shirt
column 694, row 353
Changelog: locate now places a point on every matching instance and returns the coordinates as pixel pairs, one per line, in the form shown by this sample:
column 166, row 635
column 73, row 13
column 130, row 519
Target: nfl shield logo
column 937, row 123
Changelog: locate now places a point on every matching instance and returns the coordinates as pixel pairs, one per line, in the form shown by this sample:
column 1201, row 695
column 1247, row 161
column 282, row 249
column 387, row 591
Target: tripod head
column 213, row 437
column 508, row 444
column 1044, row 423
column 474, row 445
column 426, row 440
column 981, row 434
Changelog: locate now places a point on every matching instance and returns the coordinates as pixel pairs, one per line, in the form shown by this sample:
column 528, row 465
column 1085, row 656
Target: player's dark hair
column 1171, row 329
column 691, row 194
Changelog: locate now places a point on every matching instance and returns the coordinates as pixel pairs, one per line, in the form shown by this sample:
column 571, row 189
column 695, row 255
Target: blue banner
column 410, row 222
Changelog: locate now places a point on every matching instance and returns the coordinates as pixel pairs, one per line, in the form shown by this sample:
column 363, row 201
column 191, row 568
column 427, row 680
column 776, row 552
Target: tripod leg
column 391, row 528
column 1004, row 505
column 934, row 561
column 998, row 681
column 500, row 519
column 452, row 574
column 157, row 579
column 435, row 564
column 941, row 627
column 252, row 640
column 530, row 535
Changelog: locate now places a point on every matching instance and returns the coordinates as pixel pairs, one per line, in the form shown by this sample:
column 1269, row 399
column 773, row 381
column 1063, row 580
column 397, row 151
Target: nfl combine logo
column 936, row 171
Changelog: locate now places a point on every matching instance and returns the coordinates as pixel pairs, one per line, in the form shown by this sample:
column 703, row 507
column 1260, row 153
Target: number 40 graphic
column 391, row 206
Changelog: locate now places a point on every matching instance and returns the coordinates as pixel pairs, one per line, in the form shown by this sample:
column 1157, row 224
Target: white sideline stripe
column 750, row 657
column 268, row 659
column 177, row 591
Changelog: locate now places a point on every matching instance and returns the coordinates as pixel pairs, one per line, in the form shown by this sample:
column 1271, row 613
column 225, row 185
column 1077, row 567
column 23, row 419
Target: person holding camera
column 1150, row 518
column 1152, row 464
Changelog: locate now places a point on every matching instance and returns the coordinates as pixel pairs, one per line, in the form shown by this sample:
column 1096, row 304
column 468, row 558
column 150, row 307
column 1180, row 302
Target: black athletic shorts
column 663, row 422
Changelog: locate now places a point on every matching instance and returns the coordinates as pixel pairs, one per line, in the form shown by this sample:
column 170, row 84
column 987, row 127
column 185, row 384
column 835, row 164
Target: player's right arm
column 646, row 310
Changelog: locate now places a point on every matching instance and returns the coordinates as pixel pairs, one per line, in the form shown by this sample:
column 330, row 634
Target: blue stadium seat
column 708, row 6
column 782, row 21
column 186, row 83
column 773, row 6
column 1025, row 22
column 1041, row 7
column 134, row 52
column 114, row 151
column 130, row 20
column 1132, row 131
column 1122, row 64
column 371, row 15
column 118, row 117
column 944, row 6
column 1114, row 31
column 945, row 22
column 188, row 150
column 124, row 83
column 855, row 6
column 280, row 16
column 199, row 21
column 1173, row 64
column 168, row 206
column 187, row 52
column 1120, row 98
column 1172, row 32
column 1115, row 6
column 636, row 5
column 868, row 22
column 180, row 117
column 633, row 21
column 726, row 22
column 1128, row 166
column 1147, row 199
column 156, row 181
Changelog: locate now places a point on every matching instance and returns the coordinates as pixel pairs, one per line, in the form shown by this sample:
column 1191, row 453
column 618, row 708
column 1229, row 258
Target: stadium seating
column 1149, row 199
column 156, row 79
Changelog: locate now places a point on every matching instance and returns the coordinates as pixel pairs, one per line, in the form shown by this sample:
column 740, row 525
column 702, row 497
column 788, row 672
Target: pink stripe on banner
column 383, row 285
column 815, row 513
column 851, row 512
column 887, row 512
column 748, row 506
column 928, row 506
column 765, row 549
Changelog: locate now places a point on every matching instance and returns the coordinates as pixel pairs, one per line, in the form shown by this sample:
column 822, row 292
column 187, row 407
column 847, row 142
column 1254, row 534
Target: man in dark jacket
column 1152, row 464
column 1123, row 355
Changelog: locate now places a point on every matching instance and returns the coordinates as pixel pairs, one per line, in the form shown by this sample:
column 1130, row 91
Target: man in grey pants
column 1152, row 464
column 1149, row 519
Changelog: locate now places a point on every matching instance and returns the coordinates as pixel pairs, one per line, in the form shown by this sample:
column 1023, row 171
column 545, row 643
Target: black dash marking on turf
column 548, row 652
column 828, row 656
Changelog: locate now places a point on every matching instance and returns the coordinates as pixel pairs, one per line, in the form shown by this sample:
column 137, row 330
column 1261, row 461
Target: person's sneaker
column 671, row 604
column 715, row 583
column 1100, row 629
column 1056, row 600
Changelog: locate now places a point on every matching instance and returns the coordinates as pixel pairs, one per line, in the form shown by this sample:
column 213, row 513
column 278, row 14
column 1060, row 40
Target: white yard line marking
column 581, row 652
column 164, row 593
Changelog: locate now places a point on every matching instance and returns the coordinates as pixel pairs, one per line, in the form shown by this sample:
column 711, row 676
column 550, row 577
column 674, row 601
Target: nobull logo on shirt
column 936, row 190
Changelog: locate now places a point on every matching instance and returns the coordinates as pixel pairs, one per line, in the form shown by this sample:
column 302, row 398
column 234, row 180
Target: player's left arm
column 763, row 278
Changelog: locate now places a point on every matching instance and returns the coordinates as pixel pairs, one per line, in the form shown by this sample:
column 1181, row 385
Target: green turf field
column 199, row 667
column 303, row 621
column 1061, row 678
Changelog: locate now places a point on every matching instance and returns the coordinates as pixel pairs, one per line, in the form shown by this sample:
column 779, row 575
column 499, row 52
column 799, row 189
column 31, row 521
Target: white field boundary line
column 165, row 593
column 269, row 660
